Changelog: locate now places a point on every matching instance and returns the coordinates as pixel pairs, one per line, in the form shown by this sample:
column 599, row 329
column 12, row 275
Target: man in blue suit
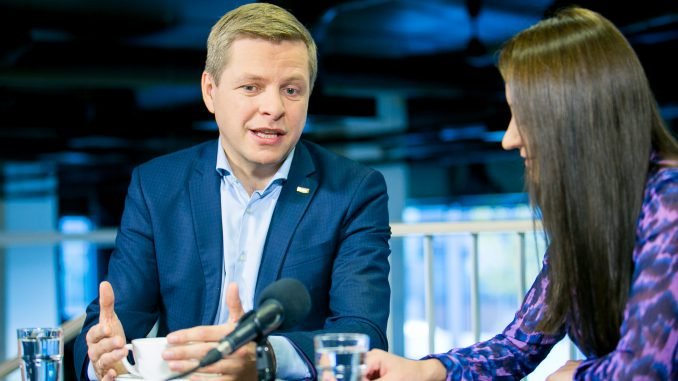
column 206, row 229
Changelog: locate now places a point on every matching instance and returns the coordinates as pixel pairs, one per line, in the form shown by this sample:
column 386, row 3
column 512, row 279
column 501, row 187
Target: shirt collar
column 224, row 167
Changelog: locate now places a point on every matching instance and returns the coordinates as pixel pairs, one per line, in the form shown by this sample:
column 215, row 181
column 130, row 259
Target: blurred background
column 90, row 89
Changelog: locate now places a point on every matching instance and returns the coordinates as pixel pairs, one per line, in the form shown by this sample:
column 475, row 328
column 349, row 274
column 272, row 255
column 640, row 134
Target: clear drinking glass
column 340, row 356
column 41, row 351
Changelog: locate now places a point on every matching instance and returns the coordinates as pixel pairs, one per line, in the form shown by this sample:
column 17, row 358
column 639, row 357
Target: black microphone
column 282, row 305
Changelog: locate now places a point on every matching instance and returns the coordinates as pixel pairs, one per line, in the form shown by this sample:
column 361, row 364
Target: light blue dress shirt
column 245, row 220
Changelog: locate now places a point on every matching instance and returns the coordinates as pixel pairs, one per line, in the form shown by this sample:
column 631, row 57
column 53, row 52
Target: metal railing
column 104, row 237
column 429, row 230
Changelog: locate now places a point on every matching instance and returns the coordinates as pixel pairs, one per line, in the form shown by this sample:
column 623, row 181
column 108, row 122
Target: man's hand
column 106, row 340
column 188, row 346
column 565, row 372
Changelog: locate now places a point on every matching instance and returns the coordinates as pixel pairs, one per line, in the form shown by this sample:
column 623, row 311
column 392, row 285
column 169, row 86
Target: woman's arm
column 515, row 352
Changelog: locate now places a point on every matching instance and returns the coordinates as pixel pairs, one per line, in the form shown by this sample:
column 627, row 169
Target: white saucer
column 130, row 377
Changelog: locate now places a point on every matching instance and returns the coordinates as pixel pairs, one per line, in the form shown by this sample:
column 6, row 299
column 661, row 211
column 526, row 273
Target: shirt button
column 242, row 257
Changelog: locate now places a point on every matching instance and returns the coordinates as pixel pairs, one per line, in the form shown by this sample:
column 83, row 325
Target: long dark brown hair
column 585, row 109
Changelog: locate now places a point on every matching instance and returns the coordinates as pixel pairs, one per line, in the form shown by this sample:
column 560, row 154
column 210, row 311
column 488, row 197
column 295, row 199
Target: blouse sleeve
column 515, row 352
column 648, row 346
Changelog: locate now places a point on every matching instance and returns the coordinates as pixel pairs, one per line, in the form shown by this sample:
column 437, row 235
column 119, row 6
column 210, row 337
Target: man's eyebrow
column 295, row 77
column 296, row 80
column 248, row 77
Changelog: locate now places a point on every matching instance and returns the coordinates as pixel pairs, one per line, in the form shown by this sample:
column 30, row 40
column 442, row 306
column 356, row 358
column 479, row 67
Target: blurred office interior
column 90, row 89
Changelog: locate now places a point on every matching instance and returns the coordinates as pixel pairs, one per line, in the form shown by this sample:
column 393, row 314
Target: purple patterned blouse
column 648, row 348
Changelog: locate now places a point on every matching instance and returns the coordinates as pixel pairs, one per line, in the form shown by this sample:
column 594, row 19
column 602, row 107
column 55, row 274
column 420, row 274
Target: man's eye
column 249, row 88
column 291, row 91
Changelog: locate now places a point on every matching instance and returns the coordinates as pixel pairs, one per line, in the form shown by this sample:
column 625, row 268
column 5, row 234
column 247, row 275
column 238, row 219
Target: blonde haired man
column 206, row 229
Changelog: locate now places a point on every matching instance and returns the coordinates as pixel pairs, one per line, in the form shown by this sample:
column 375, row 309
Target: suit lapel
column 295, row 197
column 206, row 208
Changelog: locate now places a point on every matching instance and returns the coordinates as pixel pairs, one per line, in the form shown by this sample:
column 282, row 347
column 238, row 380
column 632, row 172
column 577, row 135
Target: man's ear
column 208, row 87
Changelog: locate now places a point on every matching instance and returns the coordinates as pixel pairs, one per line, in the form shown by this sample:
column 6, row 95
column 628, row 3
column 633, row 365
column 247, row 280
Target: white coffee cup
column 148, row 361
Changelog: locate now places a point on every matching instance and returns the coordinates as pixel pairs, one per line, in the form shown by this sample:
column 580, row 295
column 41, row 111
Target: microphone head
column 292, row 297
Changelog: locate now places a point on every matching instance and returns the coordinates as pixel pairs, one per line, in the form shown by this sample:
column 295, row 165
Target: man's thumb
column 235, row 310
column 106, row 301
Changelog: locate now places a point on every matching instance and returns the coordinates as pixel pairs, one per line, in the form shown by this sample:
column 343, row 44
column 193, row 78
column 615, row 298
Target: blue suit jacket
column 169, row 253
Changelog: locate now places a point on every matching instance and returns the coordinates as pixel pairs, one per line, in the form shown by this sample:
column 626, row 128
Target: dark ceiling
column 92, row 88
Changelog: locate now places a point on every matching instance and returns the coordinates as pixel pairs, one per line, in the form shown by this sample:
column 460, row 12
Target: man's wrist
column 91, row 374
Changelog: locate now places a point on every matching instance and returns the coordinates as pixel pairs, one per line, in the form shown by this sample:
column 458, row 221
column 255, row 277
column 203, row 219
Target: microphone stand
column 265, row 370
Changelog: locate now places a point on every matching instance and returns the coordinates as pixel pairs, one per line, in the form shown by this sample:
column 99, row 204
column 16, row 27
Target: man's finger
column 205, row 333
column 110, row 375
column 228, row 365
column 189, row 351
column 180, row 366
column 96, row 333
column 106, row 302
column 100, row 332
column 108, row 360
column 235, row 310
column 105, row 346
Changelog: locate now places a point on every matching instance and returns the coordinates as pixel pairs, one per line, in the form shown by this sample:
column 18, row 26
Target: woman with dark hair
column 602, row 172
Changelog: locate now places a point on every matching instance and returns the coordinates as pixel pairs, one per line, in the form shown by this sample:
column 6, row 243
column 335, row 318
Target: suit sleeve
column 133, row 274
column 359, row 295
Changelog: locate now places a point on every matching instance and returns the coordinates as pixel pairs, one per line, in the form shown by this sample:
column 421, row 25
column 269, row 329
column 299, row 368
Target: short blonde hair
column 256, row 20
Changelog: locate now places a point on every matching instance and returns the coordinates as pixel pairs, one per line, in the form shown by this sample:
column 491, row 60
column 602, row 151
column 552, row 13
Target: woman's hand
column 385, row 366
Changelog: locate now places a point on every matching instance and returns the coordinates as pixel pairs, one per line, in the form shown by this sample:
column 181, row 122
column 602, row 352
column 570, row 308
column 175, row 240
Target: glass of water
column 40, row 351
column 340, row 356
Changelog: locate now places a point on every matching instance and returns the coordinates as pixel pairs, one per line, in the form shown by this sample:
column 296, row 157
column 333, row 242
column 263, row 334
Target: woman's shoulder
column 658, row 220
column 663, row 172
column 661, row 190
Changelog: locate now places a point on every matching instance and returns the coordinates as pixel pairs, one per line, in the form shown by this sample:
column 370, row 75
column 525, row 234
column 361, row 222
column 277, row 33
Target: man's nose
column 271, row 103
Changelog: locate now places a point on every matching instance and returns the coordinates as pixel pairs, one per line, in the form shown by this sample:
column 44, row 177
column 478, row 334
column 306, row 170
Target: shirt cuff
column 290, row 365
column 90, row 371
